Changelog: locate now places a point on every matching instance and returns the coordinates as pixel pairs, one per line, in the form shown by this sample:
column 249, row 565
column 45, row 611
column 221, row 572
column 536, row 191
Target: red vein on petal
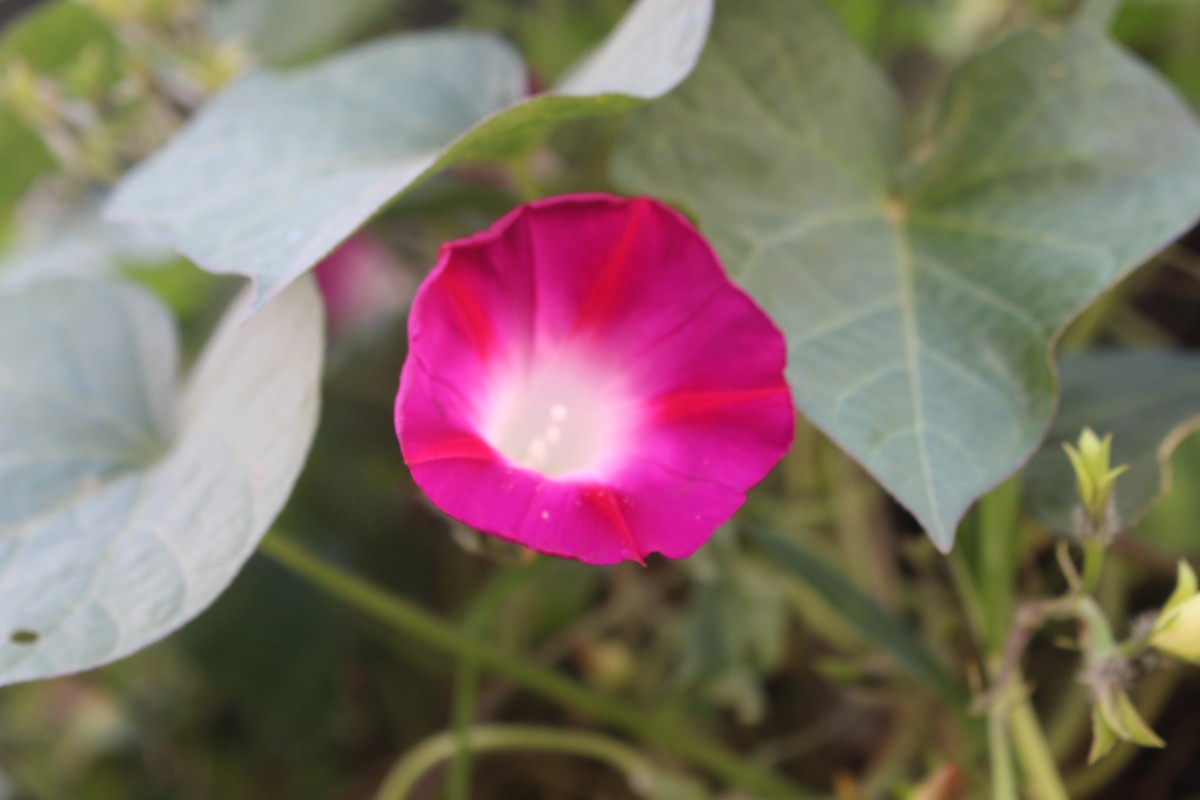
column 685, row 405
column 464, row 446
column 606, row 293
column 471, row 312
column 604, row 501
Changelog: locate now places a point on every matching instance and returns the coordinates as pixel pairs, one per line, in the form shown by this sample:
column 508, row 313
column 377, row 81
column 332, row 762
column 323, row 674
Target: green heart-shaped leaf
column 920, row 292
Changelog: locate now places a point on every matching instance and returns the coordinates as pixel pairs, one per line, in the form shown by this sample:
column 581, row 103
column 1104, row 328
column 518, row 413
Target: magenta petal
column 584, row 379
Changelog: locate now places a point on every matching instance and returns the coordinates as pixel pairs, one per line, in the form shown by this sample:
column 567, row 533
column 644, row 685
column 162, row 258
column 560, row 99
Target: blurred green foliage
column 277, row 691
column 48, row 41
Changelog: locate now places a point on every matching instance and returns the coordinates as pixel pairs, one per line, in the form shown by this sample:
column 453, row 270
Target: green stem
column 401, row 780
column 466, row 681
column 1004, row 781
column 999, row 546
column 1093, row 563
column 1101, row 643
column 1033, row 751
column 967, row 591
column 1012, row 720
column 466, row 693
column 1062, row 552
column 419, row 624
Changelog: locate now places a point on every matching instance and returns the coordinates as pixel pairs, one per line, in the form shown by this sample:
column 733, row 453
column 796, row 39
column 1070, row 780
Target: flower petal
column 584, row 379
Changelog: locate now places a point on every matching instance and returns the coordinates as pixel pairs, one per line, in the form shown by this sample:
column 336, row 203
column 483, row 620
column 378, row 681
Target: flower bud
column 1177, row 629
column 1114, row 718
column 1095, row 478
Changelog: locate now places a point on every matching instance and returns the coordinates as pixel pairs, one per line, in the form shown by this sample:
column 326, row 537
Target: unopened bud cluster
column 1174, row 631
column 1095, row 479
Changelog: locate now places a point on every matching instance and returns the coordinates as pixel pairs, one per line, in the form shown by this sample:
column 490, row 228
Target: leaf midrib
column 906, row 263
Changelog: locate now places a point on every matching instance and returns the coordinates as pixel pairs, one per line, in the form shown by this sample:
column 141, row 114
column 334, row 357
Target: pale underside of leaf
column 126, row 507
column 921, row 294
column 281, row 167
column 68, row 421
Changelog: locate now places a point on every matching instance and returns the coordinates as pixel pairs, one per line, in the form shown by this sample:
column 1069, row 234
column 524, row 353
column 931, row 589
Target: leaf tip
column 943, row 540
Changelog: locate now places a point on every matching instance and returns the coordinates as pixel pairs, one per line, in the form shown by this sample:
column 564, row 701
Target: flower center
column 560, row 418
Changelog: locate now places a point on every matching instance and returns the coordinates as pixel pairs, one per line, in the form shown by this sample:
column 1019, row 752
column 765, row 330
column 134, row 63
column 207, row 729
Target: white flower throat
column 560, row 417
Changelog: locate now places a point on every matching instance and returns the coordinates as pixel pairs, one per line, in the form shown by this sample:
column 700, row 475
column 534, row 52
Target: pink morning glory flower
column 584, row 379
